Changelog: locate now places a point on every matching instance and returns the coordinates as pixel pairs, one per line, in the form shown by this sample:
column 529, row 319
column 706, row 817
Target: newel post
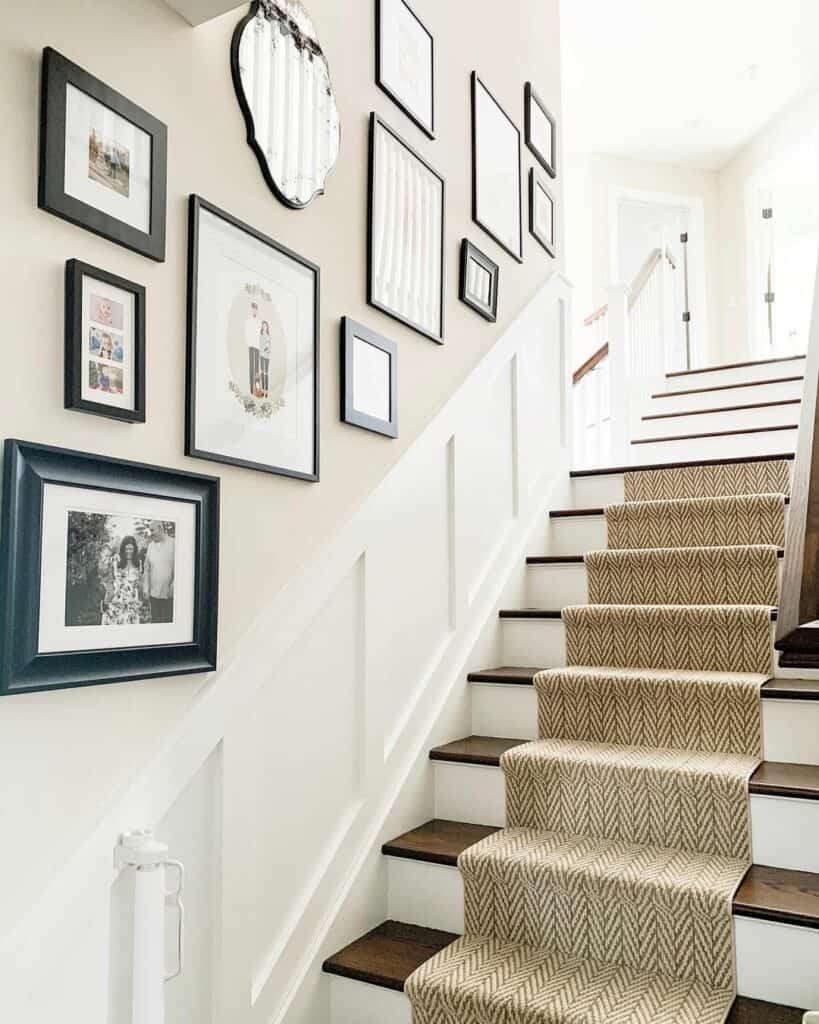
column 619, row 371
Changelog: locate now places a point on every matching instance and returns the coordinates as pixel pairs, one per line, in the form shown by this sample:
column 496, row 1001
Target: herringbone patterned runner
column 607, row 899
column 728, row 575
column 714, row 481
column 698, row 522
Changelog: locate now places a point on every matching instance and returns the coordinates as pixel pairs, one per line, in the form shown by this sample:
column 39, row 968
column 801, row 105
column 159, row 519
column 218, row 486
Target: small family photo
column 120, row 570
column 106, row 311
column 109, row 163
column 105, row 378
column 106, row 345
column 258, row 353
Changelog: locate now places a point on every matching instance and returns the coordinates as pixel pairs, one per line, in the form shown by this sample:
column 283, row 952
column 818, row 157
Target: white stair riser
column 775, row 962
column 556, row 586
column 785, row 832
column 761, row 371
column 790, row 728
column 737, row 419
column 597, row 491
column 356, row 1002
column 542, row 642
column 575, row 535
column 736, row 446
column 723, row 396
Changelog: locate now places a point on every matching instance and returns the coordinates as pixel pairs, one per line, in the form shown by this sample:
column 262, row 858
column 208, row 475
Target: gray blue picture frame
column 351, row 331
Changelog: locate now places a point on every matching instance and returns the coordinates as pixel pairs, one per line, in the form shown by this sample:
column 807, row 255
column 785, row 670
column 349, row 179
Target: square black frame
column 57, row 74
column 75, row 271
column 478, row 81
column 27, row 469
column 350, row 330
column 531, row 99
column 488, row 311
column 535, row 181
column 376, row 121
column 428, row 130
column 195, row 205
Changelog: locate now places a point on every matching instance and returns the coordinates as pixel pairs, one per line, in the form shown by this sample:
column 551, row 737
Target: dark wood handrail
column 797, row 640
column 590, row 363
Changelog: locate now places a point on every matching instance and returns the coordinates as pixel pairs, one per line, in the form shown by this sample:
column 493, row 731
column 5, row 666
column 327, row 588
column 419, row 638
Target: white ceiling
column 682, row 81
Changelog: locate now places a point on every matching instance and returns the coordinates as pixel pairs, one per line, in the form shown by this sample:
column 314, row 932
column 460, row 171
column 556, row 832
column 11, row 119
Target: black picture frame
column 57, row 74
column 478, row 83
column 195, row 205
column 427, row 129
column 75, row 272
column 536, row 184
column 532, row 104
column 27, row 470
column 350, row 331
column 471, row 253
column 437, row 335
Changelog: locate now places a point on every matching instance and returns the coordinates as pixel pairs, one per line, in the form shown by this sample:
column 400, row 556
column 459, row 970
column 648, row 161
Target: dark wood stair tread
column 389, row 954
column 649, row 467
column 734, row 366
column 551, row 613
column 523, row 676
column 575, row 513
column 438, row 841
column 791, row 689
column 729, row 387
column 716, row 433
column 720, row 409
column 772, row 778
column 554, row 560
column 777, row 894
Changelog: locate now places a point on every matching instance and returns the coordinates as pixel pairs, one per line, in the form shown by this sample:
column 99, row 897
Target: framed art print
column 369, row 379
column 103, row 159
column 542, row 215
column 479, row 281
column 253, row 348
column 104, row 343
column 541, row 130
column 405, row 250
column 497, row 192
column 405, row 61
column 109, row 569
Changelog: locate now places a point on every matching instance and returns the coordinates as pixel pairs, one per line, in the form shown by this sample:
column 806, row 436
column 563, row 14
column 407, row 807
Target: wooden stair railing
column 798, row 625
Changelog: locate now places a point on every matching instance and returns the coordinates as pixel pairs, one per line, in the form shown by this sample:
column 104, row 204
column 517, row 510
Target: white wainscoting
column 309, row 747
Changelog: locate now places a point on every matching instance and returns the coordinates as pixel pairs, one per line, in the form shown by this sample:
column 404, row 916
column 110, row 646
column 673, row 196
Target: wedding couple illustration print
column 257, row 351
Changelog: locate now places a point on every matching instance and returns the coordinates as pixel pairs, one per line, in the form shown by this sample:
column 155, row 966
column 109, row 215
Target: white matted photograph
column 369, row 379
column 541, row 130
column 405, row 62
column 542, row 212
column 252, row 348
column 479, row 281
column 497, row 202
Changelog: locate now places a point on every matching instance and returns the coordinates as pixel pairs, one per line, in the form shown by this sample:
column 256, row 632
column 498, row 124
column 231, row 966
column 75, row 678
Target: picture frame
column 109, row 570
column 406, row 234
column 104, row 344
column 405, row 61
column 542, row 213
column 369, row 379
column 497, row 182
column 103, row 162
column 252, row 394
column 479, row 281
column 540, row 130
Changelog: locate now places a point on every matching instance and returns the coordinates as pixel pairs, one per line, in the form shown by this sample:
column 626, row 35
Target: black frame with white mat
column 540, row 130
column 103, row 159
column 71, row 612
column 392, row 18
column 479, row 281
column 369, row 379
column 542, row 213
column 99, row 305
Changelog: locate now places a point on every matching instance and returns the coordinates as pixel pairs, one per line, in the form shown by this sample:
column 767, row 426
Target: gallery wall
column 78, row 749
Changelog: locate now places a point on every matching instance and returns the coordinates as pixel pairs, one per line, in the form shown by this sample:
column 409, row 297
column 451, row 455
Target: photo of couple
column 258, row 353
column 120, row 570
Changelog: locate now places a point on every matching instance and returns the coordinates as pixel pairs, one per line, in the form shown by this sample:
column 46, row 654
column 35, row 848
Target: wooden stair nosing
column 716, row 433
column 737, row 460
column 766, row 893
column 550, row 613
column 387, row 956
column 771, row 778
column 729, row 387
column 773, row 689
column 580, row 513
column 580, row 559
column 734, row 366
column 723, row 408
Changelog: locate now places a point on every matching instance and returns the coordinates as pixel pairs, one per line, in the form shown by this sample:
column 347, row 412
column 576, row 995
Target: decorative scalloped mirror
column 282, row 80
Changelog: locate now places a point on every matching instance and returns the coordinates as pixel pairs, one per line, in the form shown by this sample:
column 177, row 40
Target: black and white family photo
column 120, row 570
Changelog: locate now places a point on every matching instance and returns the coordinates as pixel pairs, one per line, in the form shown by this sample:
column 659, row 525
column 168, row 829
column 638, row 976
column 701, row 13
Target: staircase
column 542, row 891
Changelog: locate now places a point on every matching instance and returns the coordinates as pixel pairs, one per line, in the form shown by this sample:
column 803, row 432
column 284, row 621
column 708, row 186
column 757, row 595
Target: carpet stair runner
column 608, row 896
